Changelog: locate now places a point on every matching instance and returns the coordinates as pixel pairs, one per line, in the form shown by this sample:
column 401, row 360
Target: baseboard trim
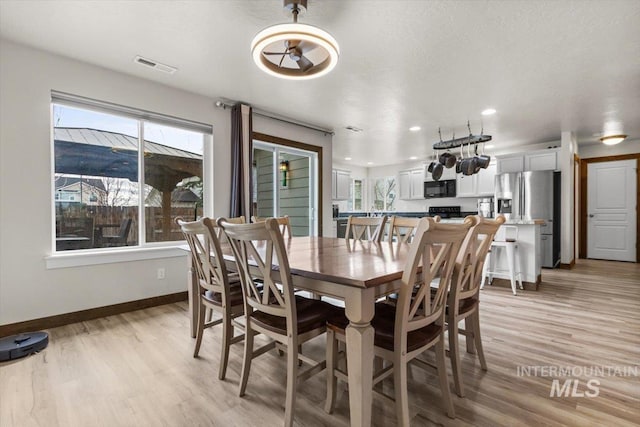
column 567, row 266
column 92, row 313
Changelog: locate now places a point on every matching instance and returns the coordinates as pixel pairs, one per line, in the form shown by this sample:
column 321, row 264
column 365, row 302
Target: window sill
column 96, row 257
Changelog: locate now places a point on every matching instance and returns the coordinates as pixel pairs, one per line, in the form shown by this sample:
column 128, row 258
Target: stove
column 445, row 211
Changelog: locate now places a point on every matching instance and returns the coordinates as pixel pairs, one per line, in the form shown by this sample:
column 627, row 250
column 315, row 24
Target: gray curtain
column 241, row 161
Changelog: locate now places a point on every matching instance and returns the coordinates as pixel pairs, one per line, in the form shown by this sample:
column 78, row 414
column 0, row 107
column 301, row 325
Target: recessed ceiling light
column 489, row 111
column 415, row 128
column 413, row 158
column 369, row 163
column 489, row 146
column 347, row 158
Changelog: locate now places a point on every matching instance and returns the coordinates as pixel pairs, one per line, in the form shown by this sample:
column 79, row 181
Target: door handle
column 591, row 215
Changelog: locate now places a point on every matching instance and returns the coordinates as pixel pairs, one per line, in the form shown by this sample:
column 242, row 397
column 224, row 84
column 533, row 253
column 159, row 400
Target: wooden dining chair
column 402, row 229
column 463, row 299
column 415, row 324
column 219, row 290
column 272, row 308
column 283, row 222
column 367, row 228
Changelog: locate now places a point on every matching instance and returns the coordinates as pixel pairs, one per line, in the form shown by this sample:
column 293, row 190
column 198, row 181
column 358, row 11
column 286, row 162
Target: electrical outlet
column 161, row 273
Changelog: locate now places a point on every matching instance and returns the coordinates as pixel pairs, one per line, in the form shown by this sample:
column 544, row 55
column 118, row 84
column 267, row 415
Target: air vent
column 353, row 129
column 155, row 65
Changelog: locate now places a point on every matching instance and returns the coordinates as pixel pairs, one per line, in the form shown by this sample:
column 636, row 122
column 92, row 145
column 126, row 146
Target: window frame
column 143, row 249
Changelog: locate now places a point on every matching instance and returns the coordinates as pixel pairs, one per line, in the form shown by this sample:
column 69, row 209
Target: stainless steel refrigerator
column 533, row 195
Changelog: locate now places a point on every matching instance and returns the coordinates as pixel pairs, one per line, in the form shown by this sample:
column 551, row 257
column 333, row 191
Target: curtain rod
column 269, row 115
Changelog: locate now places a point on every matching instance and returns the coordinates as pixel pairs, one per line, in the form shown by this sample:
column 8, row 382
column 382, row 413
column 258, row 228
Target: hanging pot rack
column 458, row 142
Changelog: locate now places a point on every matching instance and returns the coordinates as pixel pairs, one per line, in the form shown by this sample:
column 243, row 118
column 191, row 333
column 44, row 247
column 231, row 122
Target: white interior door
column 611, row 201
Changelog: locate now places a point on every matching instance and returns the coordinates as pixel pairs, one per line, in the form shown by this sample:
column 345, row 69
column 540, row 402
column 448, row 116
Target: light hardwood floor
column 137, row 369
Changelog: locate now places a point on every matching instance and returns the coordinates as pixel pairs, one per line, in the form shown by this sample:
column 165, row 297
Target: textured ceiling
column 545, row 66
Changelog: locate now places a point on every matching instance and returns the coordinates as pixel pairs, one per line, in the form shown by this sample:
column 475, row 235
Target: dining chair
column 283, row 222
column 273, row 309
column 415, row 324
column 219, row 290
column 463, row 299
column 402, row 229
column 367, row 228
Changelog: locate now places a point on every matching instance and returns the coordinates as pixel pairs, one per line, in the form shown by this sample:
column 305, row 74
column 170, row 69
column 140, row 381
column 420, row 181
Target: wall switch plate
column 161, row 273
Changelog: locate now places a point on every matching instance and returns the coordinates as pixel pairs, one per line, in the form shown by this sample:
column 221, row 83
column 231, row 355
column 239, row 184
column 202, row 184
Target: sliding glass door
column 285, row 183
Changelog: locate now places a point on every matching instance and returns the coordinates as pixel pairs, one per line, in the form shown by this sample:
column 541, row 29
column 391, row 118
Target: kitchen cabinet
column 544, row 160
column 411, row 184
column 479, row 184
column 341, row 183
column 511, row 163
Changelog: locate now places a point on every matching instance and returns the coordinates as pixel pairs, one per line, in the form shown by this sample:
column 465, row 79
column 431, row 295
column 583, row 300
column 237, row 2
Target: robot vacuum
column 17, row 346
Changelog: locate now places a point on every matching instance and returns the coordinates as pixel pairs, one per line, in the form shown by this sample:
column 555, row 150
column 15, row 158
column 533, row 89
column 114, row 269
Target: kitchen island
column 529, row 251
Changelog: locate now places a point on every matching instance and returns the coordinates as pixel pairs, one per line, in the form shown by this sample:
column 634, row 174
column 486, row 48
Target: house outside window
column 121, row 178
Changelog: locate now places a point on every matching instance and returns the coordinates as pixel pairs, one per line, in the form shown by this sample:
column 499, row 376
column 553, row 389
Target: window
column 121, row 179
column 384, row 193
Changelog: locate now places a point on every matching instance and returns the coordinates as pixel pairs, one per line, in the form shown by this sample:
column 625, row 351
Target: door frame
column 584, row 194
column 302, row 146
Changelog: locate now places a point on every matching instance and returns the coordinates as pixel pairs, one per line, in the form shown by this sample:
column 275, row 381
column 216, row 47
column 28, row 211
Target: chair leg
column 454, row 355
column 248, row 356
column 511, row 260
column 442, row 376
column 519, row 267
column 332, row 355
column 200, row 330
column 477, row 339
column 292, row 380
column 227, row 334
column 468, row 326
column 401, row 392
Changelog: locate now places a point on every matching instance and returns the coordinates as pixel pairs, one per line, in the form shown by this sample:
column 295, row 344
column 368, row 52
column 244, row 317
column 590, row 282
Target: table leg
column 359, row 334
column 192, row 283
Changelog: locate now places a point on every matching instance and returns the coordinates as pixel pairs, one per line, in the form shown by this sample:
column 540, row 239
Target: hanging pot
column 437, row 171
column 432, row 164
column 459, row 161
column 482, row 160
column 448, row 160
column 469, row 164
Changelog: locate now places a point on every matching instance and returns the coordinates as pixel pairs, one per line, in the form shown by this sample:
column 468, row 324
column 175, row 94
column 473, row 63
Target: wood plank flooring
column 137, row 369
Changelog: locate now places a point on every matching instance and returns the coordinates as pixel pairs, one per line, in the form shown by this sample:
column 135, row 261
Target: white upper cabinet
column 479, row 184
column 411, row 184
column 341, row 181
column 511, row 164
column 544, row 160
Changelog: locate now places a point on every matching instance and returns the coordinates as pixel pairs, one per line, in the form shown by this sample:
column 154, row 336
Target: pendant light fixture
column 295, row 51
column 613, row 139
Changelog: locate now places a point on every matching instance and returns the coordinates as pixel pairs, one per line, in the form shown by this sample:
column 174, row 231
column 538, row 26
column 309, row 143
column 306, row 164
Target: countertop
column 345, row 215
column 508, row 222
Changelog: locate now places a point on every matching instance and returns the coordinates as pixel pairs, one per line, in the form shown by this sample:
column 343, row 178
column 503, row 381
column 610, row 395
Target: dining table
column 356, row 272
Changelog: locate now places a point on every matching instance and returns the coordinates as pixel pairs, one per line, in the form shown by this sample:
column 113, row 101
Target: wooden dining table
column 357, row 273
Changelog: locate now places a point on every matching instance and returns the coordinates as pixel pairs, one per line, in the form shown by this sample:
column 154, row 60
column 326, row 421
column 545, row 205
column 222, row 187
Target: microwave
column 444, row 188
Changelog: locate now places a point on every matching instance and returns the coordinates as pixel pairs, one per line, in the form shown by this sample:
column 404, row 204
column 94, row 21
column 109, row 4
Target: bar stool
column 507, row 239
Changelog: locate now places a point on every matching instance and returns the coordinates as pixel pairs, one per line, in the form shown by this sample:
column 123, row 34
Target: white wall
column 601, row 150
column 27, row 289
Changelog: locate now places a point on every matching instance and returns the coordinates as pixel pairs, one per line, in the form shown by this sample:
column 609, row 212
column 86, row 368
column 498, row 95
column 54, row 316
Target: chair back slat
column 263, row 266
column 206, row 254
column 467, row 274
column 284, row 224
column 433, row 253
column 367, row 228
column 402, row 229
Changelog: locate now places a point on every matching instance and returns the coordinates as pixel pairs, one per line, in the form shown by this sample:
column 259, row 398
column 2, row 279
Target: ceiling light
column 413, row 158
column 415, row 128
column 489, row 111
column 295, row 51
column 613, row 139
column 369, row 163
column 347, row 158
